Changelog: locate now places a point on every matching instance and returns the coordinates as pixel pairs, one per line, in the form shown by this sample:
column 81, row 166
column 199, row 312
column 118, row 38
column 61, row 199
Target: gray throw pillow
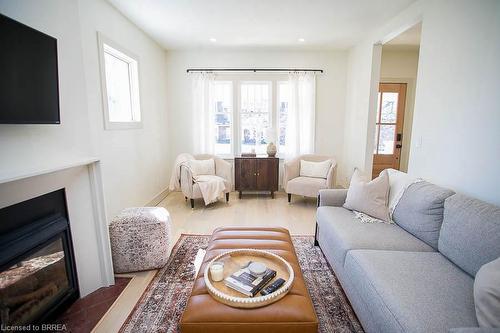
column 487, row 294
column 369, row 197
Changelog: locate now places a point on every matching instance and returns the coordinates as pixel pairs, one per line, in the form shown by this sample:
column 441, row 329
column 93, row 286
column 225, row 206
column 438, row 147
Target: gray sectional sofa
column 417, row 274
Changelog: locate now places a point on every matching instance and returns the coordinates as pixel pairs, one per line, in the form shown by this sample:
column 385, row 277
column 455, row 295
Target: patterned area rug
column 161, row 305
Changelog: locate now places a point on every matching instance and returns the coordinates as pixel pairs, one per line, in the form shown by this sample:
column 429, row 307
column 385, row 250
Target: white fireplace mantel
column 81, row 178
column 44, row 168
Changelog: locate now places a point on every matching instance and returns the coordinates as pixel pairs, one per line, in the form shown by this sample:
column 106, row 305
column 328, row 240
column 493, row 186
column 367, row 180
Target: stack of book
column 248, row 283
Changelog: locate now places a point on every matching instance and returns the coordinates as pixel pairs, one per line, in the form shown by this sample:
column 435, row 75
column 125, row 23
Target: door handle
column 398, row 146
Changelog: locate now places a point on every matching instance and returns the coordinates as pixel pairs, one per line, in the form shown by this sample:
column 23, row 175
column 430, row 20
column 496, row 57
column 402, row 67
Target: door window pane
column 386, row 139
column 222, row 102
column 255, row 116
column 389, row 107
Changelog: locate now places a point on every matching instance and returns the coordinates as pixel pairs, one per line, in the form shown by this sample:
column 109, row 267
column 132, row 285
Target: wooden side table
column 256, row 174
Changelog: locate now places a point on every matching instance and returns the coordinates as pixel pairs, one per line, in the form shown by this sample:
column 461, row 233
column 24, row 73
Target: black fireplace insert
column 38, row 276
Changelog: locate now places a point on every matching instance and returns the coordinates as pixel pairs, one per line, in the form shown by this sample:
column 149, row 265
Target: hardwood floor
column 251, row 210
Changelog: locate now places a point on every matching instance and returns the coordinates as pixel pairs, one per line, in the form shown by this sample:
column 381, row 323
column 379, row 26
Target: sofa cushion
column 412, row 291
column 420, row 211
column 470, row 234
column 487, row 294
column 474, row 330
column 306, row 186
column 344, row 232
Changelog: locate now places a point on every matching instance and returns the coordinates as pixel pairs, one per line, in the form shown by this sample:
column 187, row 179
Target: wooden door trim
column 381, row 161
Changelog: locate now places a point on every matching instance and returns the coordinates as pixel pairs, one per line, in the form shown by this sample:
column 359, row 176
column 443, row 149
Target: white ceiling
column 323, row 24
column 409, row 39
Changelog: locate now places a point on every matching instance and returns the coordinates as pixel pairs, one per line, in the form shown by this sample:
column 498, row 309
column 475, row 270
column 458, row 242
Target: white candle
column 217, row 271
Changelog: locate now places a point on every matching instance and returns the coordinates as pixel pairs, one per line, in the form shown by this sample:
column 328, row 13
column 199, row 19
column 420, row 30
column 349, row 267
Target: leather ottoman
column 293, row 313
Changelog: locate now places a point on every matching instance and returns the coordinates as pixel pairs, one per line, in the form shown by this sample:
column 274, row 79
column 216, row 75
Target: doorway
column 389, row 127
column 396, row 99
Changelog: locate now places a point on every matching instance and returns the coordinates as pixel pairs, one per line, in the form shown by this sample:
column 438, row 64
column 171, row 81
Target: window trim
column 130, row 58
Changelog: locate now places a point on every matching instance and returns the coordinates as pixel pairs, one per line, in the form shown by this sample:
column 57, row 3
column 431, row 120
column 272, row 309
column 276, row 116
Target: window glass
column 122, row 87
column 255, row 116
column 389, row 107
column 385, row 132
column 118, row 89
column 386, row 139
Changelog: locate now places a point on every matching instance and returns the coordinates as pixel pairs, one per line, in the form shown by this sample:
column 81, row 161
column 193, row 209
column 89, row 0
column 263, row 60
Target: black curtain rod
column 254, row 70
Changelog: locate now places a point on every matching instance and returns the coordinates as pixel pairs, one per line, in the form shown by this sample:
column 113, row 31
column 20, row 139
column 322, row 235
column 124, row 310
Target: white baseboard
column 158, row 198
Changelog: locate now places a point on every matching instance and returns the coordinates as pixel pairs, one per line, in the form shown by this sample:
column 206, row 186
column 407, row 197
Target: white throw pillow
column 398, row 183
column 487, row 294
column 202, row 167
column 315, row 169
column 369, row 197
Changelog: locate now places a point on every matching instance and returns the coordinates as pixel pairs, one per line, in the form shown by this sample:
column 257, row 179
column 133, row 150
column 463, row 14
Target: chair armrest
column 330, row 178
column 186, row 181
column 291, row 170
column 332, row 197
column 224, row 169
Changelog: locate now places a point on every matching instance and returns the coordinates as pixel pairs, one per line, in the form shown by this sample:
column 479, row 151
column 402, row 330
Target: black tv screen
column 29, row 90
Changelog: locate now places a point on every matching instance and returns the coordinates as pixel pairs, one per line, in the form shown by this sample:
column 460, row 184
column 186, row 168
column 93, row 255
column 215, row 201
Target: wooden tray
column 235, row 259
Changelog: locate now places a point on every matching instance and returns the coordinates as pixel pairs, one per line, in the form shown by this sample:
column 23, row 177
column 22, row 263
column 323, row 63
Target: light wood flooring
column 251, row 210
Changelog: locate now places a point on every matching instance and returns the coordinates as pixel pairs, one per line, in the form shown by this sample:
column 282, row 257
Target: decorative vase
column 271, row 149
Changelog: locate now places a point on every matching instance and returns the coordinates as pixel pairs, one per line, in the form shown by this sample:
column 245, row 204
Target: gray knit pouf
column 140, row 238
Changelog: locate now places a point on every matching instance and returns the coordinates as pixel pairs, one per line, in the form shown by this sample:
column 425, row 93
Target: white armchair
column 191, row 190
column 294, row 183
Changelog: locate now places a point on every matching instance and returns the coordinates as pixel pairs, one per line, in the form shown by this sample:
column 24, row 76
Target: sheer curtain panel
column 203, row 113
column 301, row 114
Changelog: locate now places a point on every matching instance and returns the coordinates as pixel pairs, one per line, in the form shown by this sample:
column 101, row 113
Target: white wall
column 29, row 146
column 330, row 89
column 400, row 66
column 134, row 161
column 457, row 107
column 361, row 94
column 456, row 115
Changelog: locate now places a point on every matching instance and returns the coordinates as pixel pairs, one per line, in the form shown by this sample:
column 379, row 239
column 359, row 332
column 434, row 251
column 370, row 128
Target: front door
column 389, row 127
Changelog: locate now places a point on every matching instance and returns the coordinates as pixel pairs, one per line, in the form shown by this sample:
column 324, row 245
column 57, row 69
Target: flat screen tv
column 29, row 90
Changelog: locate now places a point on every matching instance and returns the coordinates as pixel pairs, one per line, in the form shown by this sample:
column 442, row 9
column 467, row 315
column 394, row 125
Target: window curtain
column 301, row 114
column 202, row 113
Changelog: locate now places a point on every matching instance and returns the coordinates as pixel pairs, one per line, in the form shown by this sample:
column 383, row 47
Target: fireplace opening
column 37, row 268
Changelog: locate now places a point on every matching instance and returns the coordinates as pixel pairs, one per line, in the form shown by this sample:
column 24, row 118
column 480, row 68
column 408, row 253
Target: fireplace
column 37, row 267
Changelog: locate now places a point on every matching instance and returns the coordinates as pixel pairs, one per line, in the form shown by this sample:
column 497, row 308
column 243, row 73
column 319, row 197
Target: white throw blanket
column 211, row 187
column 175, row 179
